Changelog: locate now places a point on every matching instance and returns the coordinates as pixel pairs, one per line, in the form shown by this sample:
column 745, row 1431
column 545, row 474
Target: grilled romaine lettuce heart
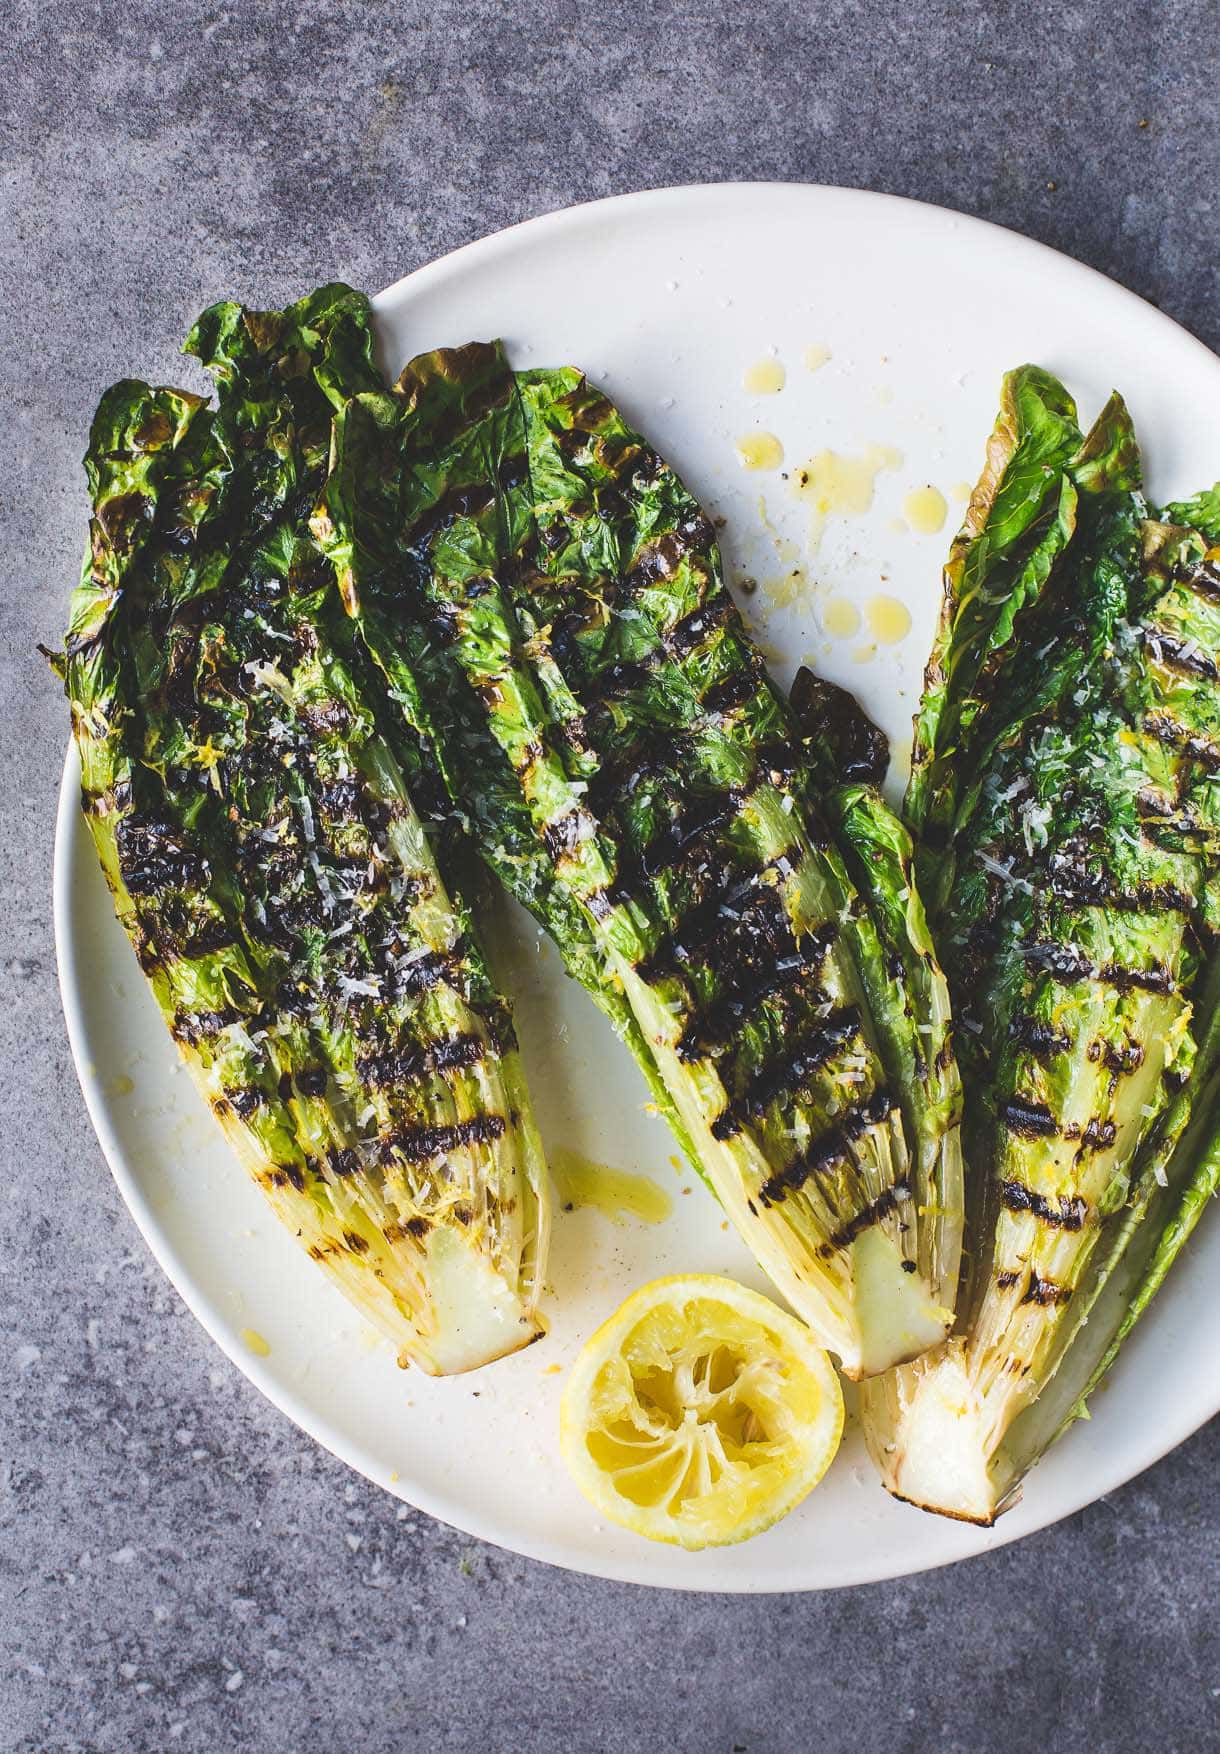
column 257, row 811
column 847, row 757
column 1063, row 797
column 546, row 601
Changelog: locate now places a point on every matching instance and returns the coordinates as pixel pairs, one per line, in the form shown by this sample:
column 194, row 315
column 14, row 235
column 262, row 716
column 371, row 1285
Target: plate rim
column 682, row 194
column 69, row 830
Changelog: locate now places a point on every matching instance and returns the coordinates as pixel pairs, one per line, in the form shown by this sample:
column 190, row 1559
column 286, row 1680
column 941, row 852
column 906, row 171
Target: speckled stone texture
column 179, row 1567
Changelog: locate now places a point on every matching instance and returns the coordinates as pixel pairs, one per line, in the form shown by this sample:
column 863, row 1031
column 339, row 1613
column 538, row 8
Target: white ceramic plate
column 668, row 299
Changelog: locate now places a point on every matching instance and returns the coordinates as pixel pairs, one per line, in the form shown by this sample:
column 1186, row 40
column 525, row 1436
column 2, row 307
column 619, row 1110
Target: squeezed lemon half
column 700, row 1413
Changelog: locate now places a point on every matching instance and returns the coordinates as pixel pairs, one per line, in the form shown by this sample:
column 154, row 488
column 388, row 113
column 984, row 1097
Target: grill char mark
column 1060, row 961
column 810, row 1054
column 418, row 1144
column 192, row 1027
column 425, row 972
column 1074, row 882
column 1156, row 898
column 720, row 1020
column 601, row 903
column 694, row 628
column 1068, row 966
column 1098, row 1135
column 710, row 916
column 1032, row 1120
column 1203, row 579
column 1147, row 980
column 1122, row 1058
column 1156, row 812
column 613, row 681
column 732, row 691
column 1166, row 730
column 563, row 836
column 153, row 857
column 463, row 501
column 1176, row 654
column 397, row 1065
column 660, row 558
column 1067, row 1213
column 1040, row 1039
column 829, row 1148
column 1045, row 1292
column 873, row 1213
column 681, row 838
column 244, row 1099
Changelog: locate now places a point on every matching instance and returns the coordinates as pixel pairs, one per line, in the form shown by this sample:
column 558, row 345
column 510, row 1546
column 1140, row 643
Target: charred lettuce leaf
column 545, row 596
column 259, row 817
column 1068, row 789
column 847, row 757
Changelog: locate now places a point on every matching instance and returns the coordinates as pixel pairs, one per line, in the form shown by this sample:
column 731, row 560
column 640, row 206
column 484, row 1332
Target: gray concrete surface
column 180, row 1568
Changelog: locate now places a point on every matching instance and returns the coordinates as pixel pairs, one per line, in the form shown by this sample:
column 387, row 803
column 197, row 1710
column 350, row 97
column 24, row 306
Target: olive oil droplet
column 766, row 377
column 841, row 618
column 889, row 621
column 834, row 485
column 613, row 1192
column 925, row 510
column 759, row 450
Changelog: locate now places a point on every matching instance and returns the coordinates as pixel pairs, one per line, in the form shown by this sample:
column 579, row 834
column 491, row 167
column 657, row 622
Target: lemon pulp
column 700, row 1413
